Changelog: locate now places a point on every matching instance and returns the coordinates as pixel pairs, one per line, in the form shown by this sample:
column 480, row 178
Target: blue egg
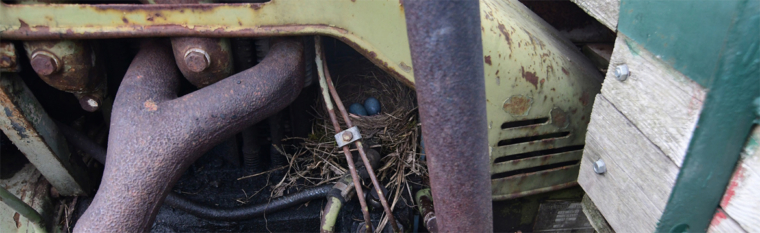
column 357, row 109
column 372, row 106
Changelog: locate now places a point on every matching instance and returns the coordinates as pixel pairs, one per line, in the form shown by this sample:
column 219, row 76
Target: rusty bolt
column 600, row 167
column 197, row 60
column 89, row 103
column 45, row 63
column 6, row 62
column 347, row 136
column 621, row 72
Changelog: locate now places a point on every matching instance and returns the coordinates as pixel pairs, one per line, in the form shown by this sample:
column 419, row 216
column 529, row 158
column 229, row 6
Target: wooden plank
column 29, row 127
column 635, row 189
column 594, row 216
column 661, row 102
column 742, row 198
column 722, row 223
column 605, row 11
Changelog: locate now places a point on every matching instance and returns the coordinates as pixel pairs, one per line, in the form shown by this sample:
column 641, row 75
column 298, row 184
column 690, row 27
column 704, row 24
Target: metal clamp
column 347, row 136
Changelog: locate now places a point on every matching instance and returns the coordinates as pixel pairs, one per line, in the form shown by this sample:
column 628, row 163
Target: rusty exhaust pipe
column 155, row 135
column 447, row 55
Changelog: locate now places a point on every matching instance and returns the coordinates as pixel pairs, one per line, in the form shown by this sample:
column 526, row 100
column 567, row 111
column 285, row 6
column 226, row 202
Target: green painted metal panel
column 717, row 44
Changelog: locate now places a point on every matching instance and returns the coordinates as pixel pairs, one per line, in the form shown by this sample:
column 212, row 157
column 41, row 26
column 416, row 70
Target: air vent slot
column 515, row 124
column 507, row 142
column 538, row 153
column 533, row 169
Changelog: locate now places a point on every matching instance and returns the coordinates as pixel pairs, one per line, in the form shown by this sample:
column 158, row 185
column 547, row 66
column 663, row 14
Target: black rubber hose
column 247, row 212
column 199, row 210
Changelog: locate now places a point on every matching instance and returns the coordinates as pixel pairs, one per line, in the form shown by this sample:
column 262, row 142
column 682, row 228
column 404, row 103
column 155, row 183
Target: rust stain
column 506, row 34
column 123, row 19
column 542, row 83
column 517, row 105
column 530, row 77
column 15, row 219
column 585, row 99
column 488, row 60
column 559, row 118
column 565, row 71
column 150, row 105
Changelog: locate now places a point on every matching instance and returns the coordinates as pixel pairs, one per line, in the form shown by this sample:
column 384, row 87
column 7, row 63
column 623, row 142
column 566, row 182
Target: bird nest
column 394, row 132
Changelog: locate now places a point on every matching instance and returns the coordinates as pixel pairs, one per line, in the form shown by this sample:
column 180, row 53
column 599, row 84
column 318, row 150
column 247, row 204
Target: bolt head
column 196, row 60
column 600, row 167
column 89, row 103
column 347, row 136
column 621, row 72
column 45, row 64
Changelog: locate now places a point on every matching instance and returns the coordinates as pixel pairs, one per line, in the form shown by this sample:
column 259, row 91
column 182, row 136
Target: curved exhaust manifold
column 155, row 135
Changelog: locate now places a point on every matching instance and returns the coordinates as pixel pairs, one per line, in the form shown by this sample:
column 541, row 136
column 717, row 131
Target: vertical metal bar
column 362, row 154
column 30, row 128
column 331, row 111
column 447, row 56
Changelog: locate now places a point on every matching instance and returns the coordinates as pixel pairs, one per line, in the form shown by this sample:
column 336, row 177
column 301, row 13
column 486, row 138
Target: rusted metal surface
column 29, row 127
column 203, row 61
column 536, row 182
column 70, row 66
column 322, row 70
column 518, row 105
column 447, row 54
column 537, row 161
column 8, row 57
column 155, row 136
column 539, row 95
column 374, row 28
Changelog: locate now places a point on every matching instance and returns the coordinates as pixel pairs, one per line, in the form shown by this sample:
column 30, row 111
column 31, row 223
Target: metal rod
column 362, row 154
column 22, row 208
column 331, row 111
column 447, row 56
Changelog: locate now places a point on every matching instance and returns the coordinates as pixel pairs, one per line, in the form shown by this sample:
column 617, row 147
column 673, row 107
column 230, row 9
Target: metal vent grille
column 539, row 94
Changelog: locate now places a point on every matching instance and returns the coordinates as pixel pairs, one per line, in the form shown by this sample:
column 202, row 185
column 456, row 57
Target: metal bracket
column 347, row 136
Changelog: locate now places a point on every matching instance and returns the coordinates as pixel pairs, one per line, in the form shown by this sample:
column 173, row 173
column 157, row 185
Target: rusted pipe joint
column 155, row 135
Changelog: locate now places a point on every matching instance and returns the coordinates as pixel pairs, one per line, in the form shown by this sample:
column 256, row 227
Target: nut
column 347, row 136
column 45, row 63
column 197, row 60
column 621, row 72
column 600, row 167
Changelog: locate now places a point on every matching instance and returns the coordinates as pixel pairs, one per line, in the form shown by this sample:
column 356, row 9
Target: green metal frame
column 717, row 44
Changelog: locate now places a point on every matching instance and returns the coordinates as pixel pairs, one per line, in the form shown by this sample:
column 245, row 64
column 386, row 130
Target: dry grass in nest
column 394, row 132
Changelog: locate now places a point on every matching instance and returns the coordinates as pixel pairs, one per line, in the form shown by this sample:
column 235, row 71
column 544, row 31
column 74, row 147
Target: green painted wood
column 688, row 35
column 717, row 44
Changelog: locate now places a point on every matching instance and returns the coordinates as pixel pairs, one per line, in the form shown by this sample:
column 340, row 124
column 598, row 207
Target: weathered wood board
column 661, row 102
column 605, row 11
column 722, row 223
column 632, row 194
column 742, row 199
